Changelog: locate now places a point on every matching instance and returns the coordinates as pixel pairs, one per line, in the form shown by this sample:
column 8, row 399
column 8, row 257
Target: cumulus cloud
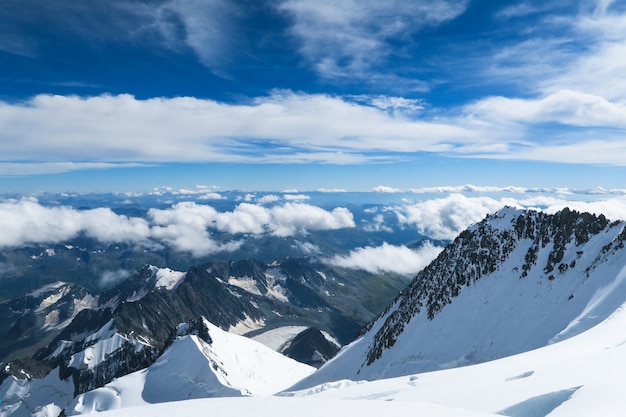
column 445, row 218
column 472, row 189
column 331, row 190
column 388, row 258
column 185, row 226
column 294, row 218
column 612, row 208
column 26, row 221
column 386, row 189
column 270, row 198
column 296, row 197
column 376, row 224
column 211, row 196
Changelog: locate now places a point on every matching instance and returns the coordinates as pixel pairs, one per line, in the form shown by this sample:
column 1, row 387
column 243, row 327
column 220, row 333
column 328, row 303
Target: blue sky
column 295, row 94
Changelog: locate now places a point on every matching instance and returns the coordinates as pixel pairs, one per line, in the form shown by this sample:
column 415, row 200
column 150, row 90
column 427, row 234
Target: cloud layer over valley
column 379, row 240
column 185, row 226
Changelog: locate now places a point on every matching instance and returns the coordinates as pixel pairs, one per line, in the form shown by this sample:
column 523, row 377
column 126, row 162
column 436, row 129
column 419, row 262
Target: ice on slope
column 230, row 366
column 43, row 397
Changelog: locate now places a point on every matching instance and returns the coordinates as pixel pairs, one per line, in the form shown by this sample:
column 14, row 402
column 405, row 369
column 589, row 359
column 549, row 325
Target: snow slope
column 228, row 366
column 43, row 397
column 580, row 376
column 508, row 302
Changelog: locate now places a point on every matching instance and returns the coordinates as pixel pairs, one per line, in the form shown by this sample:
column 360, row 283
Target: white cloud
column 26, row 221
column 296, row 197
column 122, row 129
column 517, row 10
column 567, row 107
column 377, row 224
column 386, row 189
column 331, row 190
column 30, row 168
column 390, row 103
column 270, row 198
column 297, row 218
column 308, row 248
column 208, row 28
column 469, row 188
column 111, row 278
column 398, row 259
column 185, row 226
column 211, row 196
column 612, row 208
column 350, row 38
column 445, row 218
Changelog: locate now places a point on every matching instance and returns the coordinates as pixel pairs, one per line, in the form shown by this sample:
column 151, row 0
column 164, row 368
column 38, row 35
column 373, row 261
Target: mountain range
column 511, row 296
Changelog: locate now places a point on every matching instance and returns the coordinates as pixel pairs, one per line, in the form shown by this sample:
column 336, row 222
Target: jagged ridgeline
column 516, row 281
column 482, row 249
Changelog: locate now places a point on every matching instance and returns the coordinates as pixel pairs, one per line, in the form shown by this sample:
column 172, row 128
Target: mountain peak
column 513, row 282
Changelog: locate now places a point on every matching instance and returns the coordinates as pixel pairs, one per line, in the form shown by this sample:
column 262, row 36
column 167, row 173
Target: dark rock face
column 479, row 251
column 29, row 320
column 311, row 347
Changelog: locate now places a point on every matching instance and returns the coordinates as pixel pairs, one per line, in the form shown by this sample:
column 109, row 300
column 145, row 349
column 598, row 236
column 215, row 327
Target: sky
column 297, row 94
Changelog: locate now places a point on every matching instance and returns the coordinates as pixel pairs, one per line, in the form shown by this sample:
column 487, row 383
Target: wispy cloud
column 210, row 28
column 353, row 38
column 10, row 169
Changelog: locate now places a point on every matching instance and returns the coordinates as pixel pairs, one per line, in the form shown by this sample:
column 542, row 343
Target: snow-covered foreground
column 224, row 365
column 581, row 376
column 228, row 366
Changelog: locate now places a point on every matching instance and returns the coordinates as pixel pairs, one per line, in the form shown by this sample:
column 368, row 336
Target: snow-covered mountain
column 200, row 361
column 128, row 327
column 31, row 320
column 516, row 281
column 526, row 307
column 578, row 377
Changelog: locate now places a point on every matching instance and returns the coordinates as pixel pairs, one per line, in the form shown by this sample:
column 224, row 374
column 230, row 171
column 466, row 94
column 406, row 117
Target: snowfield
column 230, row 366
column 524, row 315
column 581, row 376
